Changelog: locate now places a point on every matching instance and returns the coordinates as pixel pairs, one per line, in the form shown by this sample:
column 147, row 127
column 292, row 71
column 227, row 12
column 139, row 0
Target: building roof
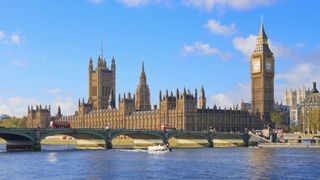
column 314, row 98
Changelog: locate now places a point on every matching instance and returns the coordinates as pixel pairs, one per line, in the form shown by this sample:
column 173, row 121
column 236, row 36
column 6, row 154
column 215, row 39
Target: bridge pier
column 210, row 144
column 210, row 140
column 246, row 139
column 23, row 146
column 108, row 145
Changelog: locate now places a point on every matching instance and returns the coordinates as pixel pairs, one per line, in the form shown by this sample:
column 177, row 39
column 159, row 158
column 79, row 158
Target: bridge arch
column 228, row 139
column 136, row 139
column 189, row 139
column 85, row 139
column 75, row 134
column 128, row 133
column 176, row 134
column 18, row 141
column 15, row 136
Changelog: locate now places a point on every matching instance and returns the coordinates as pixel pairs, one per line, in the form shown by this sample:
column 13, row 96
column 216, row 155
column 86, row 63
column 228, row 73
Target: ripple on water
column 65, row 162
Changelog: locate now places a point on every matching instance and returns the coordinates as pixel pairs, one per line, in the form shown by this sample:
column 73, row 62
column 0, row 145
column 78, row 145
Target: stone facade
column 310, row 112
column 293, row 99
column 262, row 77
column 178, row 111
column 142, row 100
column 38, row 117
column 182, row 111
column 102, row 84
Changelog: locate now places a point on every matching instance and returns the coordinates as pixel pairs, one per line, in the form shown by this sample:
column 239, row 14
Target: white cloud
column 15, row 38
column 19, row 64
column 16, row 106
column 246, row 46
column 209, row 5
column 204, row 49
column 217, row 28
column 2, row 35
column 231, row 98
column 96, row 2
column 141, row 3
column 68, row 106
column 135, row 3
column 62, row 99
column 54, row 91
column 300, row 74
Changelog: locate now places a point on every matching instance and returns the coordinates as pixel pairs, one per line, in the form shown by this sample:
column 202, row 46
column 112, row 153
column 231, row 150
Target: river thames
column 57, row 162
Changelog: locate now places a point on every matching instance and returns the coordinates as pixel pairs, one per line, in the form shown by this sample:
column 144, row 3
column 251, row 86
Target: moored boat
column 159, row 148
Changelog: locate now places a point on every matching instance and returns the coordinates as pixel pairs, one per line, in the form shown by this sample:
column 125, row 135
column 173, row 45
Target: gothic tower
column 262, row 77
column 102, row 84
column 202, row 99
column 142, row 100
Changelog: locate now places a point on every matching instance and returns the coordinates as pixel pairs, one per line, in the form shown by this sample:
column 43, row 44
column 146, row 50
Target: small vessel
column 159, row 148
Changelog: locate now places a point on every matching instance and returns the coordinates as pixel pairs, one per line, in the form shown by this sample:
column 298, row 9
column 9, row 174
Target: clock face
column 256, row 65
column 269, row 65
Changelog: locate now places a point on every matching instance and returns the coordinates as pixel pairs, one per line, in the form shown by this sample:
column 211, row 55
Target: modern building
column 310, row 112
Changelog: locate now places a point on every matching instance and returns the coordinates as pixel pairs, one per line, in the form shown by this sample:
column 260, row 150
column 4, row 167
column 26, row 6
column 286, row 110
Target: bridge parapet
column 30, row 139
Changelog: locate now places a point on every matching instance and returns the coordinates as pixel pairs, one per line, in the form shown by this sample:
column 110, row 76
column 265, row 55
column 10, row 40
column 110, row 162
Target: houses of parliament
column 179, row 109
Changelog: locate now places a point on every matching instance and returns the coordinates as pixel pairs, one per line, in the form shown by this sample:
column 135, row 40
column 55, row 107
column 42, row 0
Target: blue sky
column 45, row 47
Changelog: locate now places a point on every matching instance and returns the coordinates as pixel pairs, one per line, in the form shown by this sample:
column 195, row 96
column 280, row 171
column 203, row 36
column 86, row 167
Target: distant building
column 277, row 108
column 285, row 110
column 4, row 116
column 310, row 109
column 38, row 117
column 293, row 99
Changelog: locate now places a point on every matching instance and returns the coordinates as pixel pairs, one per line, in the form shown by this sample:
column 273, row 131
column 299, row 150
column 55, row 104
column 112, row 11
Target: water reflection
column 52, row 158
column 260, row 162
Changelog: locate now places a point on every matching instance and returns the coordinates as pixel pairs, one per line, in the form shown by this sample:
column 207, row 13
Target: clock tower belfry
column 262, row 77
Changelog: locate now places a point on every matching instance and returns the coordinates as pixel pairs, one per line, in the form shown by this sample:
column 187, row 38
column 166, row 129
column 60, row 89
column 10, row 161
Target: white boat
column 159, row 148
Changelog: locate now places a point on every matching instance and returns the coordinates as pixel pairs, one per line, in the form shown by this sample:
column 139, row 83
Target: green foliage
column 14, row 122
column 295, row 128
column 278, row 118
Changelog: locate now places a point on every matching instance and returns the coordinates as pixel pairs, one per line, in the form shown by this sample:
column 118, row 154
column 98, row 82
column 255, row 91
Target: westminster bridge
column 27, row 139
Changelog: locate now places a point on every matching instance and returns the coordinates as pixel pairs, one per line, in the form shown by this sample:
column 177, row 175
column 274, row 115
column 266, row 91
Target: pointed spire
column 262, row 32
column 160, row 96
column 202, row 93
column 113, row 64
column 142, row 66
column 262, row 40
column 177, row 93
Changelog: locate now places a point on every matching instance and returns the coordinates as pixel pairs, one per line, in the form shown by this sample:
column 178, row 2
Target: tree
column 279, row 119
column 14, row 122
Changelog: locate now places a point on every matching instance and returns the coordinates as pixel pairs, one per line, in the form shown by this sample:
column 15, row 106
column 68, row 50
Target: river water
column 58, row 162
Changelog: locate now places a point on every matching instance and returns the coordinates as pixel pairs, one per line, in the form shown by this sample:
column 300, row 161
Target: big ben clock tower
column 262, row 77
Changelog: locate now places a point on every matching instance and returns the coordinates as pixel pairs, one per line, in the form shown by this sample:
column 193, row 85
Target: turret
column 90, row 65
column 113, row 64
column 202, row 99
